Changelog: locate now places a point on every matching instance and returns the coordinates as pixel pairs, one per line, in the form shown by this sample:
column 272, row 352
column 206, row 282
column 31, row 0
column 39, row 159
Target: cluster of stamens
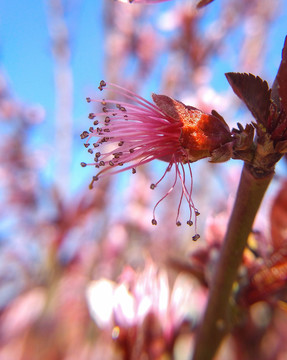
column 132, row 135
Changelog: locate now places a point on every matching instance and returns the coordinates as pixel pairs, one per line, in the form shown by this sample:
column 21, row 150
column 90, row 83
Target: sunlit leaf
column 254, row 92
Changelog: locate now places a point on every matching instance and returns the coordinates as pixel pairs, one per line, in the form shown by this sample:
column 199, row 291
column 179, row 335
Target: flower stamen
column 140, row 132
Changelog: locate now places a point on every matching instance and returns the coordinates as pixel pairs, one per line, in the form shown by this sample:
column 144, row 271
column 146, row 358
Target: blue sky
column 25, row 58
column 25, row 47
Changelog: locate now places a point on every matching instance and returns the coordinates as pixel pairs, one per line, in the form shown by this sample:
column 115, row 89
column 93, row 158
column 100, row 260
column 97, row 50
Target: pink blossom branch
column 216, row 320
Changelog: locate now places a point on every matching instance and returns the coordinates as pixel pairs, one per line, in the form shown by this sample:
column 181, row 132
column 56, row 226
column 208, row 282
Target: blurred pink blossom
column 138, row 296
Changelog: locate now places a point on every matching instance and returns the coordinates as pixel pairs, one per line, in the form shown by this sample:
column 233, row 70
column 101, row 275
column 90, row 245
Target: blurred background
column 59, row 239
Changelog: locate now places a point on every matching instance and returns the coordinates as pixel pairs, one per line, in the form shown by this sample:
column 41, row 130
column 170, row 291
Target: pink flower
column 136, row 132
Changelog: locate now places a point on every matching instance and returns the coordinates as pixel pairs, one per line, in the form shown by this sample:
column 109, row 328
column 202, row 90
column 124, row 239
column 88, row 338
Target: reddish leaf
column 267, row 281
column 203, row 3
column 254, row 92
column 279, row 89
column 278, row 218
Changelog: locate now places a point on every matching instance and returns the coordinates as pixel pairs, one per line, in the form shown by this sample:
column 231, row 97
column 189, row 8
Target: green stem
column 215, row 320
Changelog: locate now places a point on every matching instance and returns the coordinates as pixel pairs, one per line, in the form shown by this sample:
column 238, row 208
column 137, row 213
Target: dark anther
column 131, row 151
column 91, row 129
column 96, row 122
column 111, row 163
column 178, row 223
column 86, row 145
column 84, row 135
column 88, row 99
column 107, row 119
column 152, row 186
column 92, row 116
column 83, row 164
column 123, row 108
column 105, row 109
column 102, row 163
column 134, row 170
column 154, row 222
column 102, row 85
column 121, row 143
column 103, row 102
column 195, row 237
column 189, row 222
column 90, row 151
column 95, row 145
column 197, row 213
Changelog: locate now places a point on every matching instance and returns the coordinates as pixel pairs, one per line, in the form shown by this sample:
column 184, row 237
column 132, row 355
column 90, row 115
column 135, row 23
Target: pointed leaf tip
column 203, row 3
column 284, row 50
column 279, row 89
